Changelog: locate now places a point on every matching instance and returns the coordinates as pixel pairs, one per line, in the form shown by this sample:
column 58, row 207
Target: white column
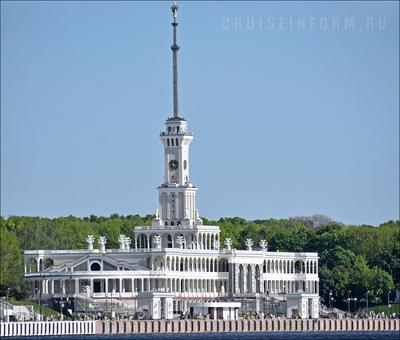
column 253, row 278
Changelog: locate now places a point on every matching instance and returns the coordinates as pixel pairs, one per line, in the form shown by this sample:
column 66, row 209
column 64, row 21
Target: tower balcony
column 172, row 133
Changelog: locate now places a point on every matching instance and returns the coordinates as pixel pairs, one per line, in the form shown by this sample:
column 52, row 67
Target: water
column 233, row 336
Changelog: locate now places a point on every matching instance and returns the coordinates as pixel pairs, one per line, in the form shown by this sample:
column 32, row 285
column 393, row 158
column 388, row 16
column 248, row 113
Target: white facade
column 155, row 305
column 302, row 305
column 216, row 310
column 176, row 254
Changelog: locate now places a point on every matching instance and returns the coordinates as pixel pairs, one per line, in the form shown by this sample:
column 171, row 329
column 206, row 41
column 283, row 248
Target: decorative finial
column 249, row 244
column 180, row 240
column 174, row 8
column 264, row 245
column 127, row 243
column 228, row 244
column 157, row 241
column 121, row 241
column 90, row 241
column 102, row 242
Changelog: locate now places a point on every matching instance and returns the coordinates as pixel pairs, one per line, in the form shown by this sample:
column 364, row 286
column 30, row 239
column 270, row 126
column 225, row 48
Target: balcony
column 180, row 133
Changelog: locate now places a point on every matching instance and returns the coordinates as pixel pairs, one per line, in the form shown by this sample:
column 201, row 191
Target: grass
column 46, row 311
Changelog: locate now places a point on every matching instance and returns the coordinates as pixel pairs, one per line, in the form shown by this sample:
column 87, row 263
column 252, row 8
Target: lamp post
column 7, row 294
column 61, row 308
column 37, row 300
column 330, row 301
column 69, row 295
column 111, row 302
column 366, row 301
column 105, row 312
column 355, row 305
column 388, row 304
column 40, row 296
column 348, row 301
column 86, row 289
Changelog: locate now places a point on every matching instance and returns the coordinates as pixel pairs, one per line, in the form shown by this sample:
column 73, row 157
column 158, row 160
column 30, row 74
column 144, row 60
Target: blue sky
column 288, row 119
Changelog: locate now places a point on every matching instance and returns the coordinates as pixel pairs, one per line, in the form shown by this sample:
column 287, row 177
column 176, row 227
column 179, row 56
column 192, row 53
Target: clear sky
column 294, row 107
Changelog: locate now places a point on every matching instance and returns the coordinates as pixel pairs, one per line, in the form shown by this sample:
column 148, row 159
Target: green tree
column 11, row 268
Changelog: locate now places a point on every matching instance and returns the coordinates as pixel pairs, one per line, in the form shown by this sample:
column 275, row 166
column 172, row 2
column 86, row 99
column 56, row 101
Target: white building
column 177, row 254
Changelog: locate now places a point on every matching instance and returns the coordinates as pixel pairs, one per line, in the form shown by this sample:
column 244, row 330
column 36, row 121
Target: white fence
column 47, row 328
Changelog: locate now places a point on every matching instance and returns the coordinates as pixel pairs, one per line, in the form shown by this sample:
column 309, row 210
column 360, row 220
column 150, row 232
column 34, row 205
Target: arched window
column 167, row 141
column 48, row 263
column 249, row 280
column 298, row 267
column 258, row 279
column 176, row 142
column 32, row 265
column 223, row 265
column 172, row 142
column 95, row 267
column 241, row 279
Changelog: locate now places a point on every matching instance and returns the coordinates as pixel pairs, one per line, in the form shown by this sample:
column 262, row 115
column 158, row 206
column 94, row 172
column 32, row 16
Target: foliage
column 394, row 308
column 11, row 264
column 361, row 259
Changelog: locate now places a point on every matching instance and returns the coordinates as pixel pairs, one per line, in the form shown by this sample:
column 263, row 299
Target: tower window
column 169, row 129
column 167, row 141
column 177, row 129
column 176, row 142
column 172, row 142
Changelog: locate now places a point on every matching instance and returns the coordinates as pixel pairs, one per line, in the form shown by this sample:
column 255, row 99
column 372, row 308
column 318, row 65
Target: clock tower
column 177, row 196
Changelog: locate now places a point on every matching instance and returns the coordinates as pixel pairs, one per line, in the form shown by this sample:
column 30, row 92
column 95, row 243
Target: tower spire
column 175, row 49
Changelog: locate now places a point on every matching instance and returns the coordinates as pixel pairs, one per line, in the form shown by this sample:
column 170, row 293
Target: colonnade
column 291, row 266
column 291, row 286
column 189, row 263
column 248, row 279
column 127, row 285
column 131, row 285
column 198, row 240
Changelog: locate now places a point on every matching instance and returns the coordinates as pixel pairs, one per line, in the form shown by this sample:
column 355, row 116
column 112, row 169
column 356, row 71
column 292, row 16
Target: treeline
column 361, row 259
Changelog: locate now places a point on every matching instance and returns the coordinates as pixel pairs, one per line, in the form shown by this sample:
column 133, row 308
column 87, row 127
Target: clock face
column 173, row 164
column 185, row 164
